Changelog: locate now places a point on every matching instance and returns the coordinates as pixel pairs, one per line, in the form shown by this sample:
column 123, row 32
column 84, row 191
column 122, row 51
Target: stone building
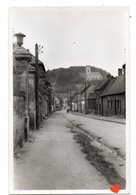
column 98, row 91
column 21, row 59
column 84, row 100
column 24, row 92
column 113, row 97
column 103, row 97
column 44, row 90
column 91, row 100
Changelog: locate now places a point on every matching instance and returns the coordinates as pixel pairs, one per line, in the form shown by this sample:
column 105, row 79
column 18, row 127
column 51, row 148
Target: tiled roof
column 85, row 88
column 31, row 68
column 103, row 83
column 115, row 86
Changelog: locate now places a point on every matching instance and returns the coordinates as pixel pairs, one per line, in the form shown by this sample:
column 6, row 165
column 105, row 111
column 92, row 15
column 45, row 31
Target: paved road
column 55, row 161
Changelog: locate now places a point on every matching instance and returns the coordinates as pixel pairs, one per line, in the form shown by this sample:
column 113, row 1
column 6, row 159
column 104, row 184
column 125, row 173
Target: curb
column 112, row 121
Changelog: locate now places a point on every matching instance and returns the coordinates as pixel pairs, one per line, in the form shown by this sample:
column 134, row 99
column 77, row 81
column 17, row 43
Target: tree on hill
column 65, row 79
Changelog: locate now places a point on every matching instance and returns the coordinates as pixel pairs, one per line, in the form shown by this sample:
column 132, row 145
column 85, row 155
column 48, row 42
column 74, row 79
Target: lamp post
column 37, row 51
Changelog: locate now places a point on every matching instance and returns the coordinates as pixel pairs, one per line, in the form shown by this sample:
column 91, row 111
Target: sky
column 70, row 36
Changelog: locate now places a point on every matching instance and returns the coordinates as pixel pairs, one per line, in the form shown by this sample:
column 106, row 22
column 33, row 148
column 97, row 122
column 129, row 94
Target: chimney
column 19, row 37
column 108, row 76
column 119, row 71
column 124, row 68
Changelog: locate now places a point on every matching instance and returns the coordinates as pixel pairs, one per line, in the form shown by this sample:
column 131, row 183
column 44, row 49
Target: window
column 120, row 105
column 111, row 104
column 108, row 104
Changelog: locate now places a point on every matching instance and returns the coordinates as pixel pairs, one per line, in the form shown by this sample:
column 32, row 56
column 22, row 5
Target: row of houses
column 29, row 111
column 104, row 97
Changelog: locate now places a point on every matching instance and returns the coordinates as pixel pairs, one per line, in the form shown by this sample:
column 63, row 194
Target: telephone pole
column 37, row 87
column 70, row 100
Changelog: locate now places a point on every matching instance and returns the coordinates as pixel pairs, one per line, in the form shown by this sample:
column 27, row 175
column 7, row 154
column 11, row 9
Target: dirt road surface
column 55, row 161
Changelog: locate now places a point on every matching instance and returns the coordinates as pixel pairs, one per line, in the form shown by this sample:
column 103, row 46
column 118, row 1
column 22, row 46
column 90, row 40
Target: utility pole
column 70, row 101
column 67, row 98
column 37, row 87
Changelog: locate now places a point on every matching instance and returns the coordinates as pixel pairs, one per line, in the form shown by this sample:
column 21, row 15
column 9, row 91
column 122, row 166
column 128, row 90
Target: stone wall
column 91, row 106
column 42, row 108
column 19, row 91
column 31, row 100
column 18, row 120
column 109, row 110
column 20, row 95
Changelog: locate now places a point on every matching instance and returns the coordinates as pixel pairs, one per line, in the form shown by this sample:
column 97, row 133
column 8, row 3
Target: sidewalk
column 114, row 119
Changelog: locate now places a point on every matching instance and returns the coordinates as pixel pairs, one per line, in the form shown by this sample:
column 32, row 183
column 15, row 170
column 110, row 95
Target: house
column 74, row 100
column 58, row 103
column 91, row 100
column 24, row 92
column 84, row 101
column 45, row 90
column 98, row 91
column 113, row 97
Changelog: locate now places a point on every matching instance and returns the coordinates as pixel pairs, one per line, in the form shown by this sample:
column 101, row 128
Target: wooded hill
column 65, row 79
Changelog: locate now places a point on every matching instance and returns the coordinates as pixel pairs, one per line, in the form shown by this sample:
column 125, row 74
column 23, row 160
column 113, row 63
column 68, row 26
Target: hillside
column 65, row 79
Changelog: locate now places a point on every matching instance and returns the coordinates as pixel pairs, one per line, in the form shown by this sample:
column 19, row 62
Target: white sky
column 75, row 36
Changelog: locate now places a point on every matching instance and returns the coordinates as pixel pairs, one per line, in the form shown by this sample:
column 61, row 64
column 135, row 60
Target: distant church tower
column 88, row 73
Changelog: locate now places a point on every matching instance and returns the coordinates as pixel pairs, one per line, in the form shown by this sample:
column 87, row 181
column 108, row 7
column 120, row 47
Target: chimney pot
column 119, row 71
column 20, row 37
column 108, row 75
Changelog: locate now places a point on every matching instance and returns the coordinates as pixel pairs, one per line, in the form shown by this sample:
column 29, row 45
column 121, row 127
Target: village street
column 53, row 159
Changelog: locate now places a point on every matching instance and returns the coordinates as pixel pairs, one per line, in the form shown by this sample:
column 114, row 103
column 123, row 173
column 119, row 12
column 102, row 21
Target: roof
column 20, row 50
column 33, row 60
column 103, row 83
column 91, row 94
column 85, row 88
column 73, row 96
column 115, row 86
column 31, row 68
